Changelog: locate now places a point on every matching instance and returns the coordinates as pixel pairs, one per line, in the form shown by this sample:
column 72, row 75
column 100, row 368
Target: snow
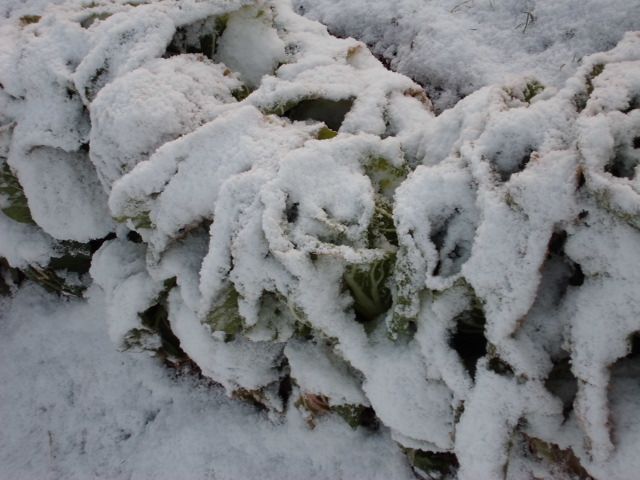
column 318, row 371
column 264, row 181
column 180, row 184
column 396, row 384
column 250, row 46
column 123, row 42
column 240, row 364
column 455, row 47
column 118, row 268
column 140, row 111
column 24, row 245
column 68, row 202
column 75, row 408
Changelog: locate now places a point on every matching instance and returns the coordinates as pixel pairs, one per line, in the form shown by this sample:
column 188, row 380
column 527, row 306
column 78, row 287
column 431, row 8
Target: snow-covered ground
column 454, row 47
column 72, row 407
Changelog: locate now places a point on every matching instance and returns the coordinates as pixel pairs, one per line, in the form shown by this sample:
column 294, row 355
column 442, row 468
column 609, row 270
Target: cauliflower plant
column 273, row 204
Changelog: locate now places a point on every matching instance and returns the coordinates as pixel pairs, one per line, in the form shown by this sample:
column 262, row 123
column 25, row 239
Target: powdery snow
column 75, row 408
column 455, row 47
column 302, row 217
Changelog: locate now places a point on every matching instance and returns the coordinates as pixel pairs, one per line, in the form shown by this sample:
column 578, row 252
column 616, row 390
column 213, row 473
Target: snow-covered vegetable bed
column 271, row 203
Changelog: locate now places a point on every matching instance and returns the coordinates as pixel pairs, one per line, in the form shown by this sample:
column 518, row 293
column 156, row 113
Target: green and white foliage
column 293, row 217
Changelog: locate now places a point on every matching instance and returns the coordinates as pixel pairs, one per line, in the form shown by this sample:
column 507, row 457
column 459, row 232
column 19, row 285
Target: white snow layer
column 74, row 408
column 455, row 47
column 298, row 210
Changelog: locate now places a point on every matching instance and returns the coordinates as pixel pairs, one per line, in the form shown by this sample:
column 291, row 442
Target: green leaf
column 532, row 89
column 141, row 220
column 13, row 196
column 91, row 18
column 225, row 316
column 382, row 225
column 154, row 333
column 275, row 319
column 326, row 133
column 354, row 415
column 29, row 19
column 581, row 98
column 385, row 177
column 434, row 464
column 368, row 285
column 241, row 93
column 48, row 279
column 407, row 288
